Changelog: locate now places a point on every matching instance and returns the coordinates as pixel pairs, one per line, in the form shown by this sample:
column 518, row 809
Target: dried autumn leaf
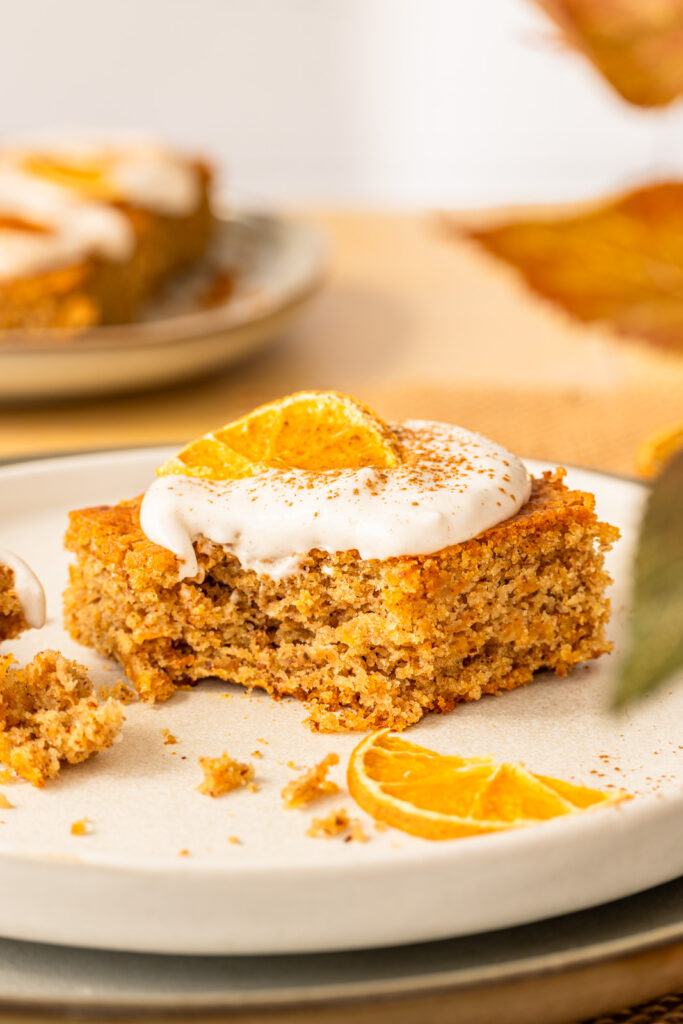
column 635, row 44
column 655, row 646
column 620, row 264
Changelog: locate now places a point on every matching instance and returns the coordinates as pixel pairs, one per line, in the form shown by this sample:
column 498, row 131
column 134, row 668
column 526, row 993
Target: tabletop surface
column 420, row 323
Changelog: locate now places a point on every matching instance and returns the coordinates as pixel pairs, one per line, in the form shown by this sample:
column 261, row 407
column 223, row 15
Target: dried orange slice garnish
column 657, row 449
column 86, row 176
column 312, row 430
column 437, row 796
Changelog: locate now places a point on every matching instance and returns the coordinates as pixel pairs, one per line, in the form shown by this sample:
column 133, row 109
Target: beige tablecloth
column 420, row 324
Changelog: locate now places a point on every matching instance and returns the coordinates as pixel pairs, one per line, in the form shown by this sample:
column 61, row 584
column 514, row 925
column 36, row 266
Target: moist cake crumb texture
column 223, row 774
column 117, row 691
column 366, row 643
column 49, row 715
column 312, row 785
column 12, row 618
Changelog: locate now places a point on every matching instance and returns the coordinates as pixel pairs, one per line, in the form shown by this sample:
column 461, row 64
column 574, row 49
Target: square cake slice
column 89, row 232
column 365, row 642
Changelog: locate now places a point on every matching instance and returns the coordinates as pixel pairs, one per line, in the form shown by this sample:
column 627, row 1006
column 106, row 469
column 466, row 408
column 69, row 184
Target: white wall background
column 385, row 102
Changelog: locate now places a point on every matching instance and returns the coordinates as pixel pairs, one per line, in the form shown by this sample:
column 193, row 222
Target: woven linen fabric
column 665, row 1010
column 600, row 430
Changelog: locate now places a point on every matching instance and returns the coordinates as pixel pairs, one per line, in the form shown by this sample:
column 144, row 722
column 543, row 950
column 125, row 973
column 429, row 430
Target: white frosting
column 451, row 487
column 28, row 588
column 75, row 224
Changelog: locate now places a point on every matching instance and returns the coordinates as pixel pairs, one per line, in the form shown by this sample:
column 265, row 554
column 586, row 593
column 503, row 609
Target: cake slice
column 369, row 636
column 89, row 232
column 22, row 599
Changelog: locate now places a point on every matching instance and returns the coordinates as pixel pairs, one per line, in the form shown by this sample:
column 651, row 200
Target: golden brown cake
column 22, row 600
column 49, row 714
column 366, row 643
column 12, row 618
column 89, row 232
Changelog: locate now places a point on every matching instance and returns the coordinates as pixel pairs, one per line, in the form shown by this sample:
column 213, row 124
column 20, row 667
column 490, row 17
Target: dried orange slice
column 86, row 176
column 657, row 449
column 436, row 796
column 313, row 430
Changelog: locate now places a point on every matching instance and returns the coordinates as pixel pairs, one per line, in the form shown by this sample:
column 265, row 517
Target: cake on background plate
column 89, row 231
column 22, row 599
column 374, row 571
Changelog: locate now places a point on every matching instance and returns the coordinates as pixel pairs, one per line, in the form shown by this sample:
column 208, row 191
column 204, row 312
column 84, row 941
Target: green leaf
column 655, row 644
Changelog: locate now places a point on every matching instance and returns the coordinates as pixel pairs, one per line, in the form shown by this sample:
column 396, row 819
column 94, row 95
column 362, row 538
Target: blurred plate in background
column 266, row 266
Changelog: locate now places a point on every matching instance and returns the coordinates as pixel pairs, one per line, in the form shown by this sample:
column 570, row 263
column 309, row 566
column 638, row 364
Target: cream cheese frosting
column 28, row 589
column 451, row 486
column 55, row 224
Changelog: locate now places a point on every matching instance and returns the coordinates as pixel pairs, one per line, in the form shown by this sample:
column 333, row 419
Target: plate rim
column 73, row 461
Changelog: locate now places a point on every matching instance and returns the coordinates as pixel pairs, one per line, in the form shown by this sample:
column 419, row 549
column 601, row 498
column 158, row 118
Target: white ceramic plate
column 125, row 885
column 277, row 266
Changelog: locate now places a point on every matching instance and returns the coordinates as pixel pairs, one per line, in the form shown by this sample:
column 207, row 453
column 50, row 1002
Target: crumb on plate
column 337, row 823
column 221, row 774
column 49, row 714
column 118, row 691
column 312, row 785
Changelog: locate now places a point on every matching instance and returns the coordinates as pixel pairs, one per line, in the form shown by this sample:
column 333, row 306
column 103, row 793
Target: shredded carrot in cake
column 221, row 774
column 312, row 785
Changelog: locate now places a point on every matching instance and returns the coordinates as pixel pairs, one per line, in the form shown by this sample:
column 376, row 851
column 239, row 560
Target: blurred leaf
column 620, row 263
column 636, row 44
column 655, row 646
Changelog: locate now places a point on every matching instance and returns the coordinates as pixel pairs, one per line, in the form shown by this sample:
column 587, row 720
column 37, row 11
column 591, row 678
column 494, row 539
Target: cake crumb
column 332, row 825
column 256, row 753
column 118, row 691
column 49, row 714
column 312, row 785
column 169, row 738
column 381, row 826
column 7, row 776
column 4, row 802
column 337, row 823
column 357, row 833
column 221, row 774
column 184, row 853
column 80, row 827
column 235, row 840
